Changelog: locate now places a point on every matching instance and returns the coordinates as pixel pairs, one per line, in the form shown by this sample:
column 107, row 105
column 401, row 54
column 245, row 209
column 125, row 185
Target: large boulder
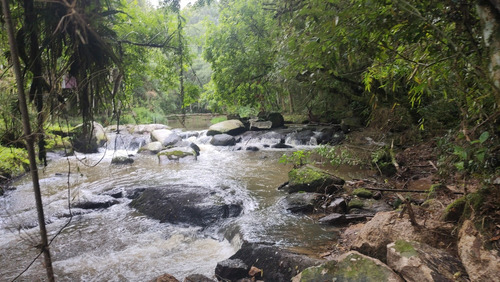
column 179, row 204
column 420, row 262
column 387, row 227
column 276, row 264
column 88, row 142
column 309, row 178
column 351, row 266
column 165, row 137
column 177, row 154
column 276, row 119
column 481, row 263
column 231, row 127
column 223, row 140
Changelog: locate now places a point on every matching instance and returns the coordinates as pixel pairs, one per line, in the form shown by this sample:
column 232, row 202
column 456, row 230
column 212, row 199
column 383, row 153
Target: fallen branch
column 402, row 190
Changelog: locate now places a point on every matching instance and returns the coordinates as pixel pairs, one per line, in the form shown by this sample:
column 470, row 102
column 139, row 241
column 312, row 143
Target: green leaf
column 484, row 136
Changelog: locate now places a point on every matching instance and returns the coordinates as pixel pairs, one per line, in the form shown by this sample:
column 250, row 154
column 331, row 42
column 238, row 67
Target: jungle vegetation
column 429, row 68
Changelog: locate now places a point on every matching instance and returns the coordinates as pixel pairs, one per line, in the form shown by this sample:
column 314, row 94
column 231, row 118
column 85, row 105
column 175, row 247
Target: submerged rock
column 312, row 179
column 275, row 263
column 351, row 266
column 301, row 202
column 91, row 205
column 420, row 262
column 120, row 160
column 191, row 205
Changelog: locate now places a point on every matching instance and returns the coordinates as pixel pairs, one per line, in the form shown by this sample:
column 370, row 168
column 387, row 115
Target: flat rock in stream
column 309, row 178
column 191, row 205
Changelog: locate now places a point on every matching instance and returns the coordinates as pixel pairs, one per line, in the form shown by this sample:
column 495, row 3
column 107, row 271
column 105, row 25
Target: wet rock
column 179, row 204
column 178, row 154
column 232, row 269
column 420, row 262
column 195, row 148
column 338, row 205
column 362, row 193
column 338, row 219
column 276, row 264
column 330, row 136
column 387, row 227
column 147, row 128
column 276, row 120
column 260, row 125
column 481, row 263
column 189, row 134
column 165, row 137
column 351, row 266
column 371, row 206
column 312, row 179
column 88, row 144
column 121, row 160
column 95, row 205
column 151, row 148
column 281, row 145
column 301, row 202
column 231, row 127
column 223, row 140
column 252, row 148
column 164, row 278
column 198, row 278
column 302, row 137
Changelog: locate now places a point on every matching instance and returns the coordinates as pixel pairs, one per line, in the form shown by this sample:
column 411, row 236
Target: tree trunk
column 30, row 142
column 490, row 19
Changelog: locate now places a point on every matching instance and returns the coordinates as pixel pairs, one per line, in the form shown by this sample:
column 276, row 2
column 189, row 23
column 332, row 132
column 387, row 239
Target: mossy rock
column 405, row 248
column 355, row 204
column 464, row 206
column 362, row 193
column 312, row 179
column 351, row 266
column 176, row 154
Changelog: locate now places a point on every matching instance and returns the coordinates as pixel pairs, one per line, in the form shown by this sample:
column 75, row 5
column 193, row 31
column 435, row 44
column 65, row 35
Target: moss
column 405, row 248
column 362, row 192
column 174, row 154
column 354, row 267
column 305, row 175
column 435, row 189
column 454, row 210
column 356, row 204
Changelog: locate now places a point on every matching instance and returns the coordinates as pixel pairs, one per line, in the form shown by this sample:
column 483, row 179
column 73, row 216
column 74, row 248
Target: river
column 120, row 244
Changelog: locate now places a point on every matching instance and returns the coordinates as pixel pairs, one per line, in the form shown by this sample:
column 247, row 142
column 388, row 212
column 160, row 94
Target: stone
column 312, row 179
column 302, row 137
column 232, row 269
column 301, row 202
column 338, row 205
column 482, row 264
column 362, row 193
column 223, row 140
column 198, row 278
column 276, row 264
column 151, row 148
column 276, row 120
column 387, row 227
column 165, row 137
column 178, row 154
column 260, row 125
column 351, row 266
column 88, row 144
column 338, row 219
column 165, row 278
column 181, row 204
column 420, row 262
column 93, row 205
column 147, row 128
column 252, row 148
column 231, row 127
column 121, row 160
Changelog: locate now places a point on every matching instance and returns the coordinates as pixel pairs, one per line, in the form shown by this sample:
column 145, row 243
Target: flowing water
column 120, row 244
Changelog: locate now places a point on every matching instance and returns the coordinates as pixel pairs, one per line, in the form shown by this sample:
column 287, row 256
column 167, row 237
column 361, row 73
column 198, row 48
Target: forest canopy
column 426, row 65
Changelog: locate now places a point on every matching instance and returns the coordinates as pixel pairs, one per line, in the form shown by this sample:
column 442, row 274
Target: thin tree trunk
column 30, row 142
